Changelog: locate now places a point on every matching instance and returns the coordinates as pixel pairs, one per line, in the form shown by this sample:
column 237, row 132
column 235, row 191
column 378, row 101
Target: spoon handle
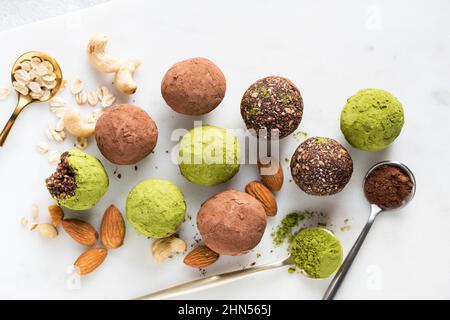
column 342, row 272
column 23, row 102
column 213, row 281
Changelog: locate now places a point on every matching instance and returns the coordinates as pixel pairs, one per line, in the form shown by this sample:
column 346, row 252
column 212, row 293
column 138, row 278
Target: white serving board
column 330, row 50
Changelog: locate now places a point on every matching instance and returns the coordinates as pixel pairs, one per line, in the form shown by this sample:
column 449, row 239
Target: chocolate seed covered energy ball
column 125, row 134
column 272, row 103
column 193, row 87
column 321, row 166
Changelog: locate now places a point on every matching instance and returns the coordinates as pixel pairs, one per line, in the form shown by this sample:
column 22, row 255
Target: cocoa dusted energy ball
column 272, row 103
column 193, row 87
column 125, row 134
column 231, row 222
column 321, row 166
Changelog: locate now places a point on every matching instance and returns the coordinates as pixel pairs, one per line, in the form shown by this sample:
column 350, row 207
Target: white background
column 330, row 50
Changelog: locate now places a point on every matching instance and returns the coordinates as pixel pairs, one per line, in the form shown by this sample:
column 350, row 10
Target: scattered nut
column 56, row 214
column 124, row 77
column 275, row 178
column 99, row 58
column 54, row 157
column 24, row 221
column 90, row 260
column 47, row 230
column 4, row 92
column 54, row 135
column 112, row 231
column 107, row 100
column 34, row 211
column 77, row 86
column 101, row 91
column 57, row 102
column 81, row 143
column 81, row 98
column 76, row 126
column 264, row 195
column 92, row 98
column 80, row 231
column 163, row 248
column 201, row 257
column 42, row 147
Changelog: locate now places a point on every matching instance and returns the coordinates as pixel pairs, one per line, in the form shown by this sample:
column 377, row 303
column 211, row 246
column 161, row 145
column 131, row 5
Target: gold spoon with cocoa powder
column 375, row 211
column 25, row 100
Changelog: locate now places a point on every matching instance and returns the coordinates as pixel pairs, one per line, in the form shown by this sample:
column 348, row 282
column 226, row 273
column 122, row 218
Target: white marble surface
column 14, row 13
column 330, row 50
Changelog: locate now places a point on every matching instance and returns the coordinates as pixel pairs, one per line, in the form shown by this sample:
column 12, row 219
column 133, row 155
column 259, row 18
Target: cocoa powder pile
column 388, row 186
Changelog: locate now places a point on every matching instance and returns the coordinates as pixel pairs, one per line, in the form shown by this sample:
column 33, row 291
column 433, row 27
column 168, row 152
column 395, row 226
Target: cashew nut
column 124, row 76
column 76, row 126
column 163, row 248
column 99, row 58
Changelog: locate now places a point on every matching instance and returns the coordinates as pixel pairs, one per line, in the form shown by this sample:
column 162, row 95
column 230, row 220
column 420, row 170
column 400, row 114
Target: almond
column 112, row 231
column 273, row 181
column 90, row 260
column 264, row 195
column 56, row 214
column 80, row 231
column 201, row 257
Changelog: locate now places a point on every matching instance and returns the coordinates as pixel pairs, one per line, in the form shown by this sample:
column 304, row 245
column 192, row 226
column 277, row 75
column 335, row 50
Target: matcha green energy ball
column 209, row 155
column 372, row 119
column 79, row 182
column 156, row 208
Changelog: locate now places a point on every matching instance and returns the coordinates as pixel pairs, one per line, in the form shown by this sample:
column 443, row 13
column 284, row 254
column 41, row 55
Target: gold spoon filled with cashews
column 36, row 77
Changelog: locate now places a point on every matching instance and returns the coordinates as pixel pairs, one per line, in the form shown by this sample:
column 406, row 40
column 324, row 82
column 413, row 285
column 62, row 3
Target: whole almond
column 56, row 214
column 90, row 260
column 264, row 195
column 201, row 257
column 80, row 231
column 112, row 231
column 273, row 181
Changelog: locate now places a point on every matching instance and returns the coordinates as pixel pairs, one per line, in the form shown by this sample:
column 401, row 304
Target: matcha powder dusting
column 317, row 252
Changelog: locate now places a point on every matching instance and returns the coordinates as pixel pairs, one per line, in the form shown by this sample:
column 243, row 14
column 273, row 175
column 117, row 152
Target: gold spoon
column 23, row 100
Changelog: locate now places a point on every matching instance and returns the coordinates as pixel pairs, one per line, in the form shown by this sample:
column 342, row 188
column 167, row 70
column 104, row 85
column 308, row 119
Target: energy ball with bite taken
column 156, row 208
column 231, row 222
column 79, row 181
column 321, row 166
column 125, row 134
column 272, row 103
column 193, row 87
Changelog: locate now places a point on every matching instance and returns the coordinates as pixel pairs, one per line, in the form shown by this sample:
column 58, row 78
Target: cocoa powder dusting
column 388, row 186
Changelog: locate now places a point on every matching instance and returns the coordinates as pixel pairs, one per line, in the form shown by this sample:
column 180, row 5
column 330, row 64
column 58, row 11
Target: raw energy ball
column 78, row 182
column 156, row 208
column 372, row 119
column 125, row 134
column 209, row 155
column 193, row 87
column 231, row 222
column 321, row 166
column 272, row 103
